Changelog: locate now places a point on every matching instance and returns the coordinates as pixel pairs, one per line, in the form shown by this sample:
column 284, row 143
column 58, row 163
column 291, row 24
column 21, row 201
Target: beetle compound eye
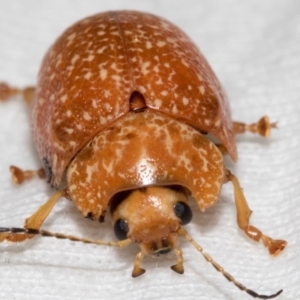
column 121, row 229
column 183, row 211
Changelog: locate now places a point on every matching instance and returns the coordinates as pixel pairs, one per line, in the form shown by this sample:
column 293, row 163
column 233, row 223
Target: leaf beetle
column 122, row 110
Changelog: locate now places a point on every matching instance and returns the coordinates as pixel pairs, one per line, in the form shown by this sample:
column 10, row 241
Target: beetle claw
column 178, row 268
column 137, row 271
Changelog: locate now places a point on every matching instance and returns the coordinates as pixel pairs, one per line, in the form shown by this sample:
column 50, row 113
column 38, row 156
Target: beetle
column 122, row 110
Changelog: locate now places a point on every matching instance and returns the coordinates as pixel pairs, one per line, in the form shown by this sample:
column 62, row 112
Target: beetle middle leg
column 243, row 217
column 263, row 127
column 7, row 92
column 35, row 221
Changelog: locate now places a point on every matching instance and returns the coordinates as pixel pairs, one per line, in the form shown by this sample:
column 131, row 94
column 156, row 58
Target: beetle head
column 151, row 217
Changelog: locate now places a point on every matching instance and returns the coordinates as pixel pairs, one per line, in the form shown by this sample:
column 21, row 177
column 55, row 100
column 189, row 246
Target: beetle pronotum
column 123, row 105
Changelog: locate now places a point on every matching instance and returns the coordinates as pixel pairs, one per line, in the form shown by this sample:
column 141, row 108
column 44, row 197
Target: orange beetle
column 123, row 105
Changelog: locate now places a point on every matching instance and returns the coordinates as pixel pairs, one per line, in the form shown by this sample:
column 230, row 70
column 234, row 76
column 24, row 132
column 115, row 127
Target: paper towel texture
column 254, row 48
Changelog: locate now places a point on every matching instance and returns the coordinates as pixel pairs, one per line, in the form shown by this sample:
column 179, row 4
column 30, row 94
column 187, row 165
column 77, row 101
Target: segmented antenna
column 30, row 231
column 183, row 233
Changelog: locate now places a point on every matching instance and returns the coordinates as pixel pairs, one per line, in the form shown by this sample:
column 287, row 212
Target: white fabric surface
column 254, row 47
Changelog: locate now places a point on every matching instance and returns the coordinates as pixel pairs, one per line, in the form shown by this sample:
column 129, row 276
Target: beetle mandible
column 122, row 107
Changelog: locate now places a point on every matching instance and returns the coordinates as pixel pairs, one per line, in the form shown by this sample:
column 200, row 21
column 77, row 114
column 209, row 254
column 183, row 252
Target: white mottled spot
column 79, row 126
column 87, row 116
column 185, row 101
column 116, row 77
column 142, row 89
column 157, row 102
column 101, row 32
column 164, row 93
column 75, row 58
column 161, row 43
column 103, row 74
column 69, row 113
column 63, row 98
column 159, row 81
column 107, row 106
column 102, row 120
column 167, row 65
column 174, row 109
column 200, row 77
column 72, row 187
column 69, row 130
column 91, row 57
column 52, row 97
column 101, row 50
column 217, row 123
column 94, row 103
column 202, row 89
column 108, row 167
column 189, row 87
column 88, row 75
column 207, row 122
column 107, row 93
column 90, row 170
column 52, row 76
column 156, row 69
column 148, row 45
column 71, row 36
column 144, row 67
column 184, row 62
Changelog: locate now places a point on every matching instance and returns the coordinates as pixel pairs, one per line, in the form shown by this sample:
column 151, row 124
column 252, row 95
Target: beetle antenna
column 30, row 231
column 182, row 232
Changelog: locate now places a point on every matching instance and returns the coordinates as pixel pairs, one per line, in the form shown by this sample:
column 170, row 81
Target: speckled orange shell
column 89, row 74
column 144, row 149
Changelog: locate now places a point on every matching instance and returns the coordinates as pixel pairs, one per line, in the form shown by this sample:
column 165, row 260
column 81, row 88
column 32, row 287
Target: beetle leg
column 137, row 270
column 262, row 126
column 179, row 266
column 7, row 92
column 35, row 221
column 243, row 216
column 19, row 176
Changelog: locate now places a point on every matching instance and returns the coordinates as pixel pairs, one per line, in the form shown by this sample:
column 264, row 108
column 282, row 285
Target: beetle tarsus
column 262, row 127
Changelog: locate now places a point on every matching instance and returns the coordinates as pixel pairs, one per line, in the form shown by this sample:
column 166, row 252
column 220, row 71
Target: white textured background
column 254, row 47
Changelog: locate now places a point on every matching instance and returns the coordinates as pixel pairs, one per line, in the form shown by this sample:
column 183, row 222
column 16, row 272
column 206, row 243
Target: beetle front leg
column 137, row 270
column 35, row 221
column 263, row 127
column 243, row 216
column 7, row 92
